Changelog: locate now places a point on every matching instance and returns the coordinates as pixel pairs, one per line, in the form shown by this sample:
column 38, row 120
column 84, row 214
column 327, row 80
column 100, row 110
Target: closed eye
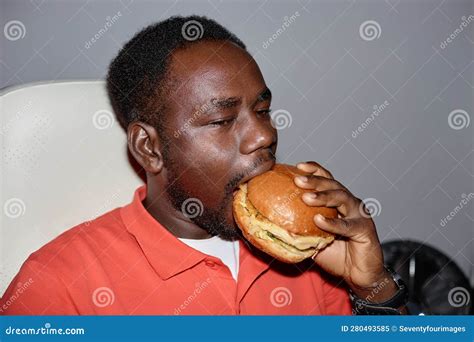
column 264, row 111
column 221, row 122
column 228, row 121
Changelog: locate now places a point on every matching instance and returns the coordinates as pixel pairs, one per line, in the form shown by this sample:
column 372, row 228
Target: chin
column 231, row 230
column 230, row 234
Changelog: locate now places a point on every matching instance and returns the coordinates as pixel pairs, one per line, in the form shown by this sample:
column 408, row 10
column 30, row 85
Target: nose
column 257, row 133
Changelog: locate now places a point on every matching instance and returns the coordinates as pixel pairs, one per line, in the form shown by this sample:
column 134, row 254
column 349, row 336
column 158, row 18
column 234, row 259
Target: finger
column 342, row 200
column 314, row 168
column 318, row 183
column 339, row 226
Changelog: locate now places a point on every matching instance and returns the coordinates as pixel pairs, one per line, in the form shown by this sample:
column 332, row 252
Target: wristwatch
column 390, row 307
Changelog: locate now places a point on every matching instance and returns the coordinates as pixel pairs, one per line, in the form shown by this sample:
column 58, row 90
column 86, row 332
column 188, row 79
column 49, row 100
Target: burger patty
column 282, row 243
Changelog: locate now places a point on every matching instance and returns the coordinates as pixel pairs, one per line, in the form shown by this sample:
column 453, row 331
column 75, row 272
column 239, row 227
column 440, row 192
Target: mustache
column 266, row 156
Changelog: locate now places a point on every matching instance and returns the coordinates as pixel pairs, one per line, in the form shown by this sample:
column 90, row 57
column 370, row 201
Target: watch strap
column 389, row 307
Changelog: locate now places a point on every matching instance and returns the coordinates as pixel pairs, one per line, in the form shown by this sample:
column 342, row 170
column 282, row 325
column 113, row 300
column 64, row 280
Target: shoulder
column 81, row 242
column 45, row 280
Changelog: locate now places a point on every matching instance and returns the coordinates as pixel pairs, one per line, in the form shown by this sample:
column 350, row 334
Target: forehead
column 213, row 69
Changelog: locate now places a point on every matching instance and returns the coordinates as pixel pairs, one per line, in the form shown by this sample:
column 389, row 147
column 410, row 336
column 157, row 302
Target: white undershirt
column 226, row 251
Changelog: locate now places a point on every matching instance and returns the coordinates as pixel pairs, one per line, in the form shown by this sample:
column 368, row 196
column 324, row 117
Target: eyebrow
column 264, row 95
column 231, row 102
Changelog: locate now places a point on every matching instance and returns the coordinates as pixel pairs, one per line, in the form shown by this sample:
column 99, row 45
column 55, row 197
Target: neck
column 157, row 204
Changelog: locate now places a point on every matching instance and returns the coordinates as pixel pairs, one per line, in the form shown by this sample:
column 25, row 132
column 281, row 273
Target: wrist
column 380, row 299
column 380, row 291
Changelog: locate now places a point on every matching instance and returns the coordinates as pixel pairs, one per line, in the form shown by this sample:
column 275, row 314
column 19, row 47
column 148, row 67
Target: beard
column 212, row 220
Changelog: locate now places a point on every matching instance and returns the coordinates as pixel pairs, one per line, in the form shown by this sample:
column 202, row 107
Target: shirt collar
column 169, row 256
column 166, row 254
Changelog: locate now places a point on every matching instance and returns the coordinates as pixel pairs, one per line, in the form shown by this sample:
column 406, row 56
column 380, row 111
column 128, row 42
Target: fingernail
column 310, row 195
column 303, row 178
column 321, row 217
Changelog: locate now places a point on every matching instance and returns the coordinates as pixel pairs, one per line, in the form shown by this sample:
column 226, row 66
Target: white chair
column 64, row 161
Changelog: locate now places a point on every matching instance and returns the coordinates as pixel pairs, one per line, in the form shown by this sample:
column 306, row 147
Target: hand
column 357, row 255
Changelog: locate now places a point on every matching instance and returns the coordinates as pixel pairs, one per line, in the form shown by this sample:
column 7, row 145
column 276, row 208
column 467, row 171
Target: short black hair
column 137, row 76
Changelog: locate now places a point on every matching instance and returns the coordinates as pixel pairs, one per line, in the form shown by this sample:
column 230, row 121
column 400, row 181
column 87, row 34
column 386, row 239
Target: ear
column 145, row 146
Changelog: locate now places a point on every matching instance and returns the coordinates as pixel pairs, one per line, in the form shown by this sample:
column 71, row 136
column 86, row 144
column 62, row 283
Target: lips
column 266, row 166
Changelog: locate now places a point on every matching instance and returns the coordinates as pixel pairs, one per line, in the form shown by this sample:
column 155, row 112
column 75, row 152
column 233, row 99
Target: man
column 197, row 114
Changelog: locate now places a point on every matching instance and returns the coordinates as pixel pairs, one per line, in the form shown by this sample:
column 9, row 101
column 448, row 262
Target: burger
column 272, row 216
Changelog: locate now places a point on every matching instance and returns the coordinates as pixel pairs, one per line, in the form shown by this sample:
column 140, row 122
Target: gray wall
column 410, row 156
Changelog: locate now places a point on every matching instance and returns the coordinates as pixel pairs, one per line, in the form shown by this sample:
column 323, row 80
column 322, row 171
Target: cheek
column 216, row 155
column 203, row 175
column 218, row 148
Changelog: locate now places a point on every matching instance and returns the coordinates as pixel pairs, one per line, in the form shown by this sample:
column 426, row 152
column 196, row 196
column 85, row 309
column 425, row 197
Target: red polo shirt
column 126, row 263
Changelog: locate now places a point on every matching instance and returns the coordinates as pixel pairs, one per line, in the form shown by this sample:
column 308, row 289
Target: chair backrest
column 64, row 161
